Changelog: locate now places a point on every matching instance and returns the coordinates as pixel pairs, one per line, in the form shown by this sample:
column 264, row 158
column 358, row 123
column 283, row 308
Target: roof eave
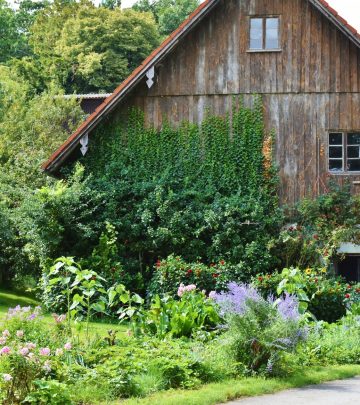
column 337, row 20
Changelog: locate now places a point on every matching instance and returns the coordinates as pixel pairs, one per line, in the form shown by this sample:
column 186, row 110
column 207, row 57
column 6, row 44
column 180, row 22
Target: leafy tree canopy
column 169, row 14
column 83, row 48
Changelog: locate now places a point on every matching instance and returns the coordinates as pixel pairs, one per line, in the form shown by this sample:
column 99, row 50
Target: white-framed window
column 344, row 152
column 264, row 33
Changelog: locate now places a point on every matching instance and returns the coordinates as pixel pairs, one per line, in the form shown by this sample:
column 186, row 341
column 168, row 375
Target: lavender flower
column 288, row 307
column 235, row 301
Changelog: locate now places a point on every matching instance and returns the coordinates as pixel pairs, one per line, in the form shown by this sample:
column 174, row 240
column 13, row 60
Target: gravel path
column 344, row 392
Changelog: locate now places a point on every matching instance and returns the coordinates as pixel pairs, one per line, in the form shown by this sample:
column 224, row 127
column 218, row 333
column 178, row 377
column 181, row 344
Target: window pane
column 353, row 165
column 353, row 139
column 335, row 165
column 353, row 151
column 336, row 152
column 335, row 139
column 272, row 33
column 256, row 33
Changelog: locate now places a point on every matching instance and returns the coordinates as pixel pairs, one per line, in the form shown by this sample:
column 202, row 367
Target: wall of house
column 311, row 86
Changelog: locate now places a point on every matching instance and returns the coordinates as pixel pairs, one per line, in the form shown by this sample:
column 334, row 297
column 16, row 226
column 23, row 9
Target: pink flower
column 67, row 346
column 7, row 377
column 2, row 340
column 44, row 351
column 181, row 290
column 6, row 333
column 24, row 351
column 5, row 350
column 59, row 352
column 212, row 295
column 20, row 333
column 191, row 287
column 30, row 345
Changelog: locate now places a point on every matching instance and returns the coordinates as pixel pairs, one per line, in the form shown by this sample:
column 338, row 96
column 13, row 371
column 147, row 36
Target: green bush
column 49, row 392
column 316, row 227
column 326, row 297
column 337, row 343
column 169, row 273
column 193, row 313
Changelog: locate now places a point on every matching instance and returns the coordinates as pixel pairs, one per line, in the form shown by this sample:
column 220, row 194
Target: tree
column 83, row 48
column 111, row 4
column 169, row 14
column 9, row 37
column 15, row 26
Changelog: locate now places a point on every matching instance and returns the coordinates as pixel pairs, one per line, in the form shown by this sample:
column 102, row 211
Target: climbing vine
column 203, row 191
column 229, row 155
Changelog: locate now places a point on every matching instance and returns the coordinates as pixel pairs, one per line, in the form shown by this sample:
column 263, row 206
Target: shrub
column 337, row 343
column 324, row 296
column 49, row 392
column 318, row 227
column 260, row 330
column 173, row 271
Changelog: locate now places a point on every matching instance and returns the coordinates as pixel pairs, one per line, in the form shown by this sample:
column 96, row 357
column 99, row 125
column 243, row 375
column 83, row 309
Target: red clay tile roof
column 338, row 17
column 60, row 155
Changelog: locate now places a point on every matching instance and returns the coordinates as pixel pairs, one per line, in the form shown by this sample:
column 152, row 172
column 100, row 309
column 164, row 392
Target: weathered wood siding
column 311, row 86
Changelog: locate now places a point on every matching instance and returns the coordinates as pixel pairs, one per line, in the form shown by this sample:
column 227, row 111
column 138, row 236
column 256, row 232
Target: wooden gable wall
column 310, row 87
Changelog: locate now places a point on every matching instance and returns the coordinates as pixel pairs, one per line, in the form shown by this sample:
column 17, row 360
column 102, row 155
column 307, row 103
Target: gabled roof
column 60, row 155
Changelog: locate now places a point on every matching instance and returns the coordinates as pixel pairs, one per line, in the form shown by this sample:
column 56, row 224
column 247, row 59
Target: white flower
column 7, row 377
column 20, row 333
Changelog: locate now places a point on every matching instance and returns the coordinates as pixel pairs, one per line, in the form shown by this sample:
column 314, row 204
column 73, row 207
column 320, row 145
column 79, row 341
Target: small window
column 264, row 33
column 344, row 152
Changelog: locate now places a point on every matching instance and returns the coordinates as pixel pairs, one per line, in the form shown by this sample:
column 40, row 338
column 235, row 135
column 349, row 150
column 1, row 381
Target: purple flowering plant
column 260, row 329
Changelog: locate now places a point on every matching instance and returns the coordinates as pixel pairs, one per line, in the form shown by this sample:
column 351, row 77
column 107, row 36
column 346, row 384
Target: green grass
column 9, row 299
column 213, row 394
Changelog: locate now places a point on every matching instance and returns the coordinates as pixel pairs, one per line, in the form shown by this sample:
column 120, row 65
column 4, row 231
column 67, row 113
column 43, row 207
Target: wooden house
column 300, row 55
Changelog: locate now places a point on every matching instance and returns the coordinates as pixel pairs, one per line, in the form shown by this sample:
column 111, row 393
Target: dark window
column 344, row 152
column 264, row 33
column 349, row 268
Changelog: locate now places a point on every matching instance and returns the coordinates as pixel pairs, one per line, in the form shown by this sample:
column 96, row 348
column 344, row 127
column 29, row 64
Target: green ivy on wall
column 203, row 191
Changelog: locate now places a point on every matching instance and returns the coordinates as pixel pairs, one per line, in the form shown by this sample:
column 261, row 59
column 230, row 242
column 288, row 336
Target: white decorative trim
column 150, row 74
column 84, row 142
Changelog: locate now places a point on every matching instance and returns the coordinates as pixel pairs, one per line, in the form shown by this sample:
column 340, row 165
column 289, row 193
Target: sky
column 348, row 9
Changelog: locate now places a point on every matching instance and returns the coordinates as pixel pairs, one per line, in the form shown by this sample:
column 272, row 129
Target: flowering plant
column 324, row 296
column 25, row 354
column 173, row 271
column 260, row 329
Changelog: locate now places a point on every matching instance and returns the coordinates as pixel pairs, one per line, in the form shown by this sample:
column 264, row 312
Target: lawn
column 9, row 299
column 213, row 394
